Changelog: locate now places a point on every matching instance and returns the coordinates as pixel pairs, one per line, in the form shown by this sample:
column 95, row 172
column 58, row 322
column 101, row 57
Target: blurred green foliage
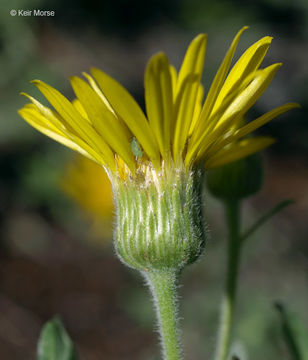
column 236, row 180
column 295, row 333
column 55, row 343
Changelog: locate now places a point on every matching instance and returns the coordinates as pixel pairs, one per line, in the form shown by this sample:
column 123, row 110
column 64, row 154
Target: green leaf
column 54, row 342
column 267, row 216
column 295, row 333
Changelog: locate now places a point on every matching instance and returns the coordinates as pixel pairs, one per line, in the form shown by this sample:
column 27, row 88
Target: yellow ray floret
column 105, row 123
column 159, row 100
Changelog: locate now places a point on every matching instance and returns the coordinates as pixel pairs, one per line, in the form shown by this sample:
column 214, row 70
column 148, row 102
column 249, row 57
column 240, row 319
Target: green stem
column 232, row 208
column 267, row 216
column 163, row 287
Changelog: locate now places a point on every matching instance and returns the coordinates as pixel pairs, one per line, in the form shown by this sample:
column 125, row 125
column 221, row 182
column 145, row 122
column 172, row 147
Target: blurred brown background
column 55, row 258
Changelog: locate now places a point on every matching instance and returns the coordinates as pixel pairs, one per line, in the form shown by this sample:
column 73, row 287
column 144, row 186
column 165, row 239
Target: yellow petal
column 206, row 136
column 226, row 103
column 159, row 100
column 45, row 117
column 185, row 105
column 50, row 115
column 80, row 125
column 80, row 108
column 251, row 93
column 31, row 109
column 174, row 77
column 127, row 108
column 239, row 106
column 252, row 126
column 98, row 91
column 248, row 63
column 187, row 89
column 198, row 107
column 215, row 116
column 103, row 120
column 238, row 151
column 193, row 62
column 36, row 120
column 211, row 97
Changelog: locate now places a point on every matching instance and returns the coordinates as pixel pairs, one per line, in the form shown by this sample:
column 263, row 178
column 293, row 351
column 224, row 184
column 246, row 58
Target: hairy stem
column 232, row 208
column 163, row 287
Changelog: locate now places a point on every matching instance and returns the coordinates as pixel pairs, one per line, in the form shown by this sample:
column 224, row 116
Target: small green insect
column 136, row 149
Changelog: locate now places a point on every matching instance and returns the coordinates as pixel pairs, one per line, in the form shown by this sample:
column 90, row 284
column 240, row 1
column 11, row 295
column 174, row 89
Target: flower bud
column 238, row 179
column 159, row 221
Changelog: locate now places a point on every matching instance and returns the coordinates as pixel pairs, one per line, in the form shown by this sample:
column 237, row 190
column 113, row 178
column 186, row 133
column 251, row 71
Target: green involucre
column 159, row 222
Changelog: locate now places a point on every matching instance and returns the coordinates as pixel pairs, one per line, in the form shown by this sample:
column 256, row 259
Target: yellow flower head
column 88, row 184
column 106, row 124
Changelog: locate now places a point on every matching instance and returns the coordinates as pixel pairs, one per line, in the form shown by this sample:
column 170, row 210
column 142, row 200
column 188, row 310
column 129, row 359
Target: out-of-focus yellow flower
column 106, row 125
column 88, row 185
